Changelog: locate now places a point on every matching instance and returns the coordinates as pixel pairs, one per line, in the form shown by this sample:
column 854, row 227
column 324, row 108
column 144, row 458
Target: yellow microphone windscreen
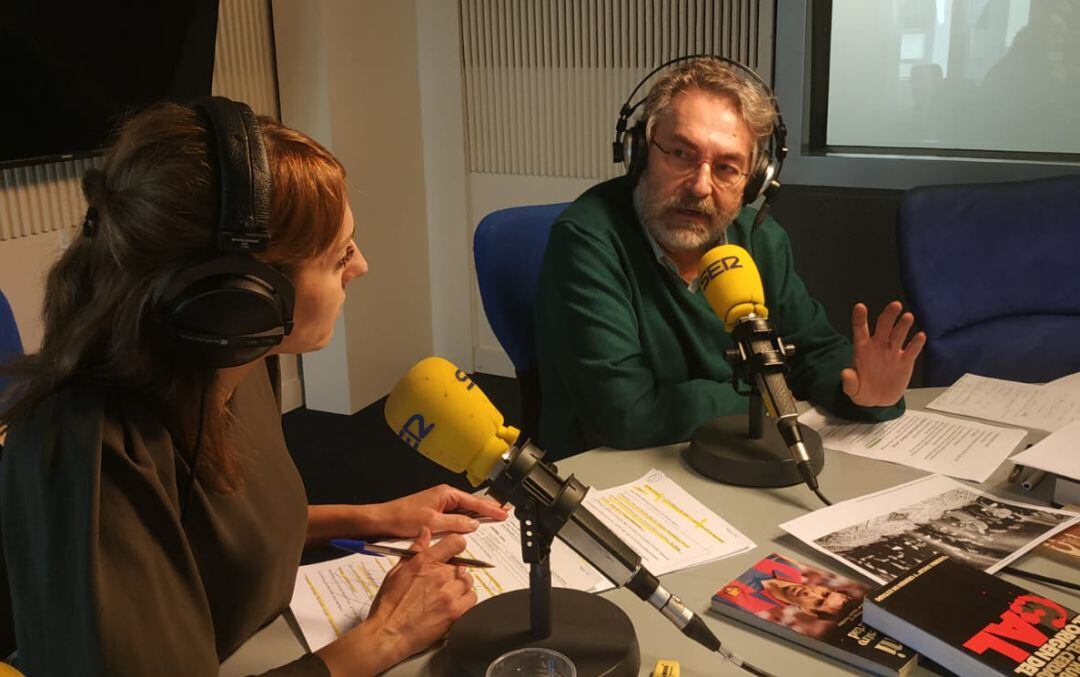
column 437, row 410
column 730, row 280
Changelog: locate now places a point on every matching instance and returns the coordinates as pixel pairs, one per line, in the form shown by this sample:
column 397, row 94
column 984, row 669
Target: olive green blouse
column 105, row 580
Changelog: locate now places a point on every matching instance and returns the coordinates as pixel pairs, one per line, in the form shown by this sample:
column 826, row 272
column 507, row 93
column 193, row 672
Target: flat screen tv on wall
column 70, row 72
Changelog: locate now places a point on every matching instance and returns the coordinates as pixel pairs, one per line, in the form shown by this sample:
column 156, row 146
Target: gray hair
column 720, row 78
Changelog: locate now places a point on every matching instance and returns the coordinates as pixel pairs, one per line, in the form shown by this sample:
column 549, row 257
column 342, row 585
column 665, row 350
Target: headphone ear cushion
column 636, row 152
column 755, row 182
column 227, row 311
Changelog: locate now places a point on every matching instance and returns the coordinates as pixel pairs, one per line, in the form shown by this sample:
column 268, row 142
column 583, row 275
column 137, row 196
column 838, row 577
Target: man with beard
column 630, row 353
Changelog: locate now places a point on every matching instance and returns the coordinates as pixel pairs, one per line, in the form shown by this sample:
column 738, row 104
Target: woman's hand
column 418, row 601
column 403, row 517
column 432, row 509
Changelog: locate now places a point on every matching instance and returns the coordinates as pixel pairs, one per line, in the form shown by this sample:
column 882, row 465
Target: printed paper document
column 932, row 442
column 668, row 527
column 1056, row 453
column 1042, row 407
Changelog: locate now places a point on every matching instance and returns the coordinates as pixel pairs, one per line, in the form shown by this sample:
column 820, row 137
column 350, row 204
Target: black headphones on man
column 232, row 309
column 631, row 147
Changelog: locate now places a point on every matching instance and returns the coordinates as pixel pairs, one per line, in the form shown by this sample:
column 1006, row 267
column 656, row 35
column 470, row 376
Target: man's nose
column 701, row 180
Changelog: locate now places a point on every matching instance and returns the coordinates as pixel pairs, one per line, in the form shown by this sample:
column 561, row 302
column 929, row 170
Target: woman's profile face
column 320, row 291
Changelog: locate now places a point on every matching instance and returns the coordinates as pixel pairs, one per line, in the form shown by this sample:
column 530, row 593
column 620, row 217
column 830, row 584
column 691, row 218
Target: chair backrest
column 991, row 274
column 10, row 346
column 10, row 343
column 508, row 248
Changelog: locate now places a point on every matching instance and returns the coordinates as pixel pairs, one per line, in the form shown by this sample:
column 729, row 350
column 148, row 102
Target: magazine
column 818, row 609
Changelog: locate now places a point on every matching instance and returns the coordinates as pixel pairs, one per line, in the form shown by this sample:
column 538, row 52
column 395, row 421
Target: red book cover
column 818, row 609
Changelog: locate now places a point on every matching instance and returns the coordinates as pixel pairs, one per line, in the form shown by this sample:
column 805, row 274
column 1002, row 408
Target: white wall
column 348, row 75
column 445, row 180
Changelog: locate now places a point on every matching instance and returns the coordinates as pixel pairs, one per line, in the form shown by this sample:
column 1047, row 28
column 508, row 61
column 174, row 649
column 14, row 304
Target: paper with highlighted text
column 669, row 528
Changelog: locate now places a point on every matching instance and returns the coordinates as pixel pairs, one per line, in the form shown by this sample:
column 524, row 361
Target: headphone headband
column 243, row 174
column 764, row 178
column 233, row 308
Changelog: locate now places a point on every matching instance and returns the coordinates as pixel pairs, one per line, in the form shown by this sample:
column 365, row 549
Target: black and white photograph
column 920, row 519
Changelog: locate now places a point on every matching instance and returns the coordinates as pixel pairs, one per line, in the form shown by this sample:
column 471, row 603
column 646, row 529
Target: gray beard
column 679, row 235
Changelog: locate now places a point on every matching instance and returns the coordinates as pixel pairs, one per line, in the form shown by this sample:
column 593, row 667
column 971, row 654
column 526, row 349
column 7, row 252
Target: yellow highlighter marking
column 483, row 577
column 325, row 609
column 646, row 521
column 619, row 505
column 700, row 524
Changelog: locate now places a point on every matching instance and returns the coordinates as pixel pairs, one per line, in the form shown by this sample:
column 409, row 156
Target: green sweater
column 629, row 357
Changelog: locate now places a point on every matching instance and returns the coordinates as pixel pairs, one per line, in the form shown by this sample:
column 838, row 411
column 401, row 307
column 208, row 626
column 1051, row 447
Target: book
column 1066, row 490
column 974, row 623
column 817, row 609
column 1064, row 545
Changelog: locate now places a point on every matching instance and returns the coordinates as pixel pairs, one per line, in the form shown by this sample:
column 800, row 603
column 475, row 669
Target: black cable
column 740, row 663
column 195, row 452
column 1039, row 577
column 821, row 496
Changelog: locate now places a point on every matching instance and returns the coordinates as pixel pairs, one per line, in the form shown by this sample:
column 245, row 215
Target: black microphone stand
column 740, row 449
column 592, row 631
column 535, row 551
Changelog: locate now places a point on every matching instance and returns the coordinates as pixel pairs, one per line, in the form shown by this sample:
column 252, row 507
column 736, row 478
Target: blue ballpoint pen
column 365, row 548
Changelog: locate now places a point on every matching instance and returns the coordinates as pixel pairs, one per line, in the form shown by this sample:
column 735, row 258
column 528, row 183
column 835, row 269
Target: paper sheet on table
column 669, row 528
column 931, row 442
column 883, row 534
column 1057, row 453
column 333, row 596
column 1043, row 407
column 1070, row 384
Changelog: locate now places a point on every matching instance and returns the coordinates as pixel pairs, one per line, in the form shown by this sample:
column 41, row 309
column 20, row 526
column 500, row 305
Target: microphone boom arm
column 556, row 503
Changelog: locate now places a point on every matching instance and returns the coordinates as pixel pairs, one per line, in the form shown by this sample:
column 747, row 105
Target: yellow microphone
column 731, row 283
column 740, row 292
column 436, row 409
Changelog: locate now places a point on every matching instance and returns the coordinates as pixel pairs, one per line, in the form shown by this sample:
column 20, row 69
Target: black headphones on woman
column 233, row 308
column 630, row 147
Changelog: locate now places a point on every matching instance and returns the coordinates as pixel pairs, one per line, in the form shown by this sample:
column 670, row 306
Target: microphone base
column 721, row 449
column 591, row 630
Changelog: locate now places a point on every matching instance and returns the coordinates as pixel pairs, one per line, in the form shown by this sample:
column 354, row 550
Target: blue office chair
column 10, row 346
column 991, row 274
column 10, row 343
column 508, row 248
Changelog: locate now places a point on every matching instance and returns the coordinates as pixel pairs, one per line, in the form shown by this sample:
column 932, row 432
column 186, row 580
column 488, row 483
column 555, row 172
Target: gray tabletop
column 755, row 512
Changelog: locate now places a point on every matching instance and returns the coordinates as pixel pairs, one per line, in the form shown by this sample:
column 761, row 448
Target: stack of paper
column 1042, row 407
column 1056, row 453
column 931, row 442
column 668, row 527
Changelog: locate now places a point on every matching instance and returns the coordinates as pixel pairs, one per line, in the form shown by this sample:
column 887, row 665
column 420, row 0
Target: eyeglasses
column 724, row 174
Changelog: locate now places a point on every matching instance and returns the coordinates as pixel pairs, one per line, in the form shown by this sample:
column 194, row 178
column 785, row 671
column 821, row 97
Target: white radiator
column 544, row 79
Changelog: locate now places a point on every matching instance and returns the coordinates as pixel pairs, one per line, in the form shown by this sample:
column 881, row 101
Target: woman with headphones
column 152, row 516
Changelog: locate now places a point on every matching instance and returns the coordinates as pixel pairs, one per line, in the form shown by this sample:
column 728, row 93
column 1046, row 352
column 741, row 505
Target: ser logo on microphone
column 718, row 268
column 414, row 431
column 464, row 378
